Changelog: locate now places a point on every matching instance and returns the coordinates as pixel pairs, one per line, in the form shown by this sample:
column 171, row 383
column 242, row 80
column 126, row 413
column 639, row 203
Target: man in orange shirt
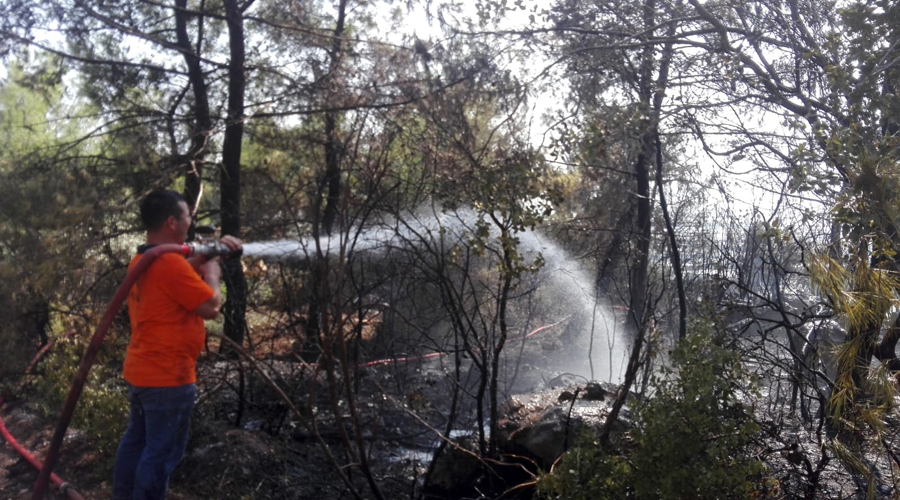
column 167, row 306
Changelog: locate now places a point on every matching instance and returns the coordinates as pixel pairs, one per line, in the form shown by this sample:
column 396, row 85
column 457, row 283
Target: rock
column 565, row 396
column 455, row 471
column 543, row 425
column 595, row 392
column 544, row 439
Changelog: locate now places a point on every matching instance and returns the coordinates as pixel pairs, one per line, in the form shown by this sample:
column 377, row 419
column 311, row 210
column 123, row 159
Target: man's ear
column 171, row 222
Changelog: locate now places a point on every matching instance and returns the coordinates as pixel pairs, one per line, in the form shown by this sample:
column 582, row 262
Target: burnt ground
column 271, row 454
column 223, row 461
column 252, row 447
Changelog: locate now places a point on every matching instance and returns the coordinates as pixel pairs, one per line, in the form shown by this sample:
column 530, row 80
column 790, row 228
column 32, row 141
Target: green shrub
column 587, row 472
column 691, row 438
column 102, row 411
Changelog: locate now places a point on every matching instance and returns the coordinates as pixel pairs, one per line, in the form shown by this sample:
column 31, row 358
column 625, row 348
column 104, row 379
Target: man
column 167, row 306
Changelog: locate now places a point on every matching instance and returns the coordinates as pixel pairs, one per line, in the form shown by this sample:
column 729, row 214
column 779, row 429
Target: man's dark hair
column 158, row 206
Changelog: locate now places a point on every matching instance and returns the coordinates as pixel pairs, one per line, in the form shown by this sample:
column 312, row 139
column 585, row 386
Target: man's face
column 181, row 225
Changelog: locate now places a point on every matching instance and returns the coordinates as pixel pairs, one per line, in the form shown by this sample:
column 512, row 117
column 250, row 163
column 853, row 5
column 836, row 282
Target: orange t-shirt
column 166, row 336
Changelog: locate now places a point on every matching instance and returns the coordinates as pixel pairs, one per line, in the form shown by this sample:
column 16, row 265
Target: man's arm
column 211, row 274
column 196, row 261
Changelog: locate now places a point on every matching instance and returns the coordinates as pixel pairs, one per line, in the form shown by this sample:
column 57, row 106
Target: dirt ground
column 222, row 462
column 17, row 476
column 271, row 455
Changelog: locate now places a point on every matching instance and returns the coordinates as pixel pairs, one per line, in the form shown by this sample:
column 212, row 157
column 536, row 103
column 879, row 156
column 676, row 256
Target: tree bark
column 333, row 147
column 675, row 254
column 330, row 181
column 662, row 81
column 639, row 271
column 234, row 309
column 638, row 275
column 501, row 342
column 202, row 122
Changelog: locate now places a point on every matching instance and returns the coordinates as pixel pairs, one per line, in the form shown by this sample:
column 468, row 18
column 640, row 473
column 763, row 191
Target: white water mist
column 562, row 280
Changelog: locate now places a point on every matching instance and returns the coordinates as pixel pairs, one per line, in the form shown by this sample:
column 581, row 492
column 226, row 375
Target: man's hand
column 198, row 261
column 231, row 242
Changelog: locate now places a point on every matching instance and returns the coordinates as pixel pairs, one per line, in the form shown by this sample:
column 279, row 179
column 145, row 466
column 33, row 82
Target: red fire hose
column 439, row 354
column 56, row 480
column 65, row 418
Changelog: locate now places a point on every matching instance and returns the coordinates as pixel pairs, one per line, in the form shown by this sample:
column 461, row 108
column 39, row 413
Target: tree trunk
column 639, row 272
column 501, row 342
column 638, row 275
column 662, row 81
column 333, row 147
column 235, row 306
column 202, row 121
column 675, row 254
column 330, row 181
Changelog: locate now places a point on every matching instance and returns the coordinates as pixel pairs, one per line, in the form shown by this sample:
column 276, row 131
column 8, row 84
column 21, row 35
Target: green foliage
column 864, row 392
column 23, row 115
column 102, row 411
column 587, row 472
column 862, row 296
column 859, row 293
column 691, row 440
column 60, row 212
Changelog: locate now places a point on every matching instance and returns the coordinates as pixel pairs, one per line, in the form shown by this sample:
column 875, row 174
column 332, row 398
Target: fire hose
column 440, row 354
column 63, row 486
column 207, row 249
column 66, row 488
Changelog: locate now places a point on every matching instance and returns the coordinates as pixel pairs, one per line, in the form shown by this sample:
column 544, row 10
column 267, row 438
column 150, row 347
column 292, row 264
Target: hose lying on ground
column 56, row 480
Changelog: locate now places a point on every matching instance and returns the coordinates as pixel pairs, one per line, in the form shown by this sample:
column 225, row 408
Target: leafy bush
column 691, row 439
column 102, row 411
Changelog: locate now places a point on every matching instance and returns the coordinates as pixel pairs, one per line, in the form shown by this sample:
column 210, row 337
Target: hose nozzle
column 212, row 250
column 207, row 245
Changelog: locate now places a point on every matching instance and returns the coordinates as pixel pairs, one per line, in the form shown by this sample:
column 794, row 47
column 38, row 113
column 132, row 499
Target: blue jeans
column 154, row 442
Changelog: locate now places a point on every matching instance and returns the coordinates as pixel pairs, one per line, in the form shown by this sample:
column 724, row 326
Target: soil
column 253, row 447
column 223, row 461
